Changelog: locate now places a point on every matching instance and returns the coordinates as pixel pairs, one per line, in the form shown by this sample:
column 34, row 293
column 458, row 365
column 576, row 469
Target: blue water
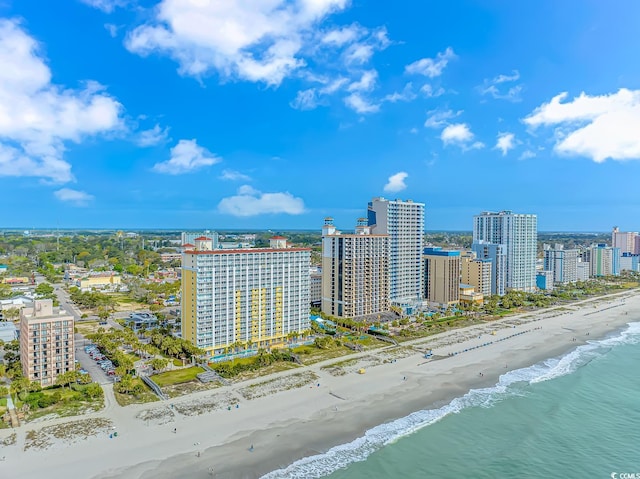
column 577, row 416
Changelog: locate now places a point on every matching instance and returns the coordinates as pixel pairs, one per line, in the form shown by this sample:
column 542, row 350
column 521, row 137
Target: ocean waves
column 512, row 383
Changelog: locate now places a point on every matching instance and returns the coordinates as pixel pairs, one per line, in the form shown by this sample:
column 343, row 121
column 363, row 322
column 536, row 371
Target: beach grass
column 276, row 385
column 69, row 432
column 266, row 370
column 178, row 376
column 144, row 397
column 311, row 354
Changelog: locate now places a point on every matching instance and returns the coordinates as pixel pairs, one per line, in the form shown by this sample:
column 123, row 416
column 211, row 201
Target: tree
column 4, row 391
column 19, row 385
column 66, row 378
column 11, row 314
column 159, row 364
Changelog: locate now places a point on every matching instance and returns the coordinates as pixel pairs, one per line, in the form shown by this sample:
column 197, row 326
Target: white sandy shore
column 294, row 423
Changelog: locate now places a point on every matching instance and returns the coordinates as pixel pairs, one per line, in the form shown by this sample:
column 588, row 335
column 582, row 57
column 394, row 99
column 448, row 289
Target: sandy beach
column 251, row 428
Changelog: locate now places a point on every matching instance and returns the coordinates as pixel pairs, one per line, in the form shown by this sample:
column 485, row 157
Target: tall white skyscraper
column 403, row 221
column 519, row 235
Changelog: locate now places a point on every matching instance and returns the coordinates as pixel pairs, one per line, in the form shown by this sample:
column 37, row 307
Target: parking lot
column 90, row 365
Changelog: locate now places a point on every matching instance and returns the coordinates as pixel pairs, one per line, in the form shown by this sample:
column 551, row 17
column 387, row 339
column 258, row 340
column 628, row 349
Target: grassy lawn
column 144, row 397
column 176, row 377
column 177, row 362
column 87, row 327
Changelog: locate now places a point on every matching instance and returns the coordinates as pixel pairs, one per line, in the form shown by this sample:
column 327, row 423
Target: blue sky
column 276, row 113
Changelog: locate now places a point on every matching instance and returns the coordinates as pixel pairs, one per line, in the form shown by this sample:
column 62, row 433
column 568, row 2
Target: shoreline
column 293, row 424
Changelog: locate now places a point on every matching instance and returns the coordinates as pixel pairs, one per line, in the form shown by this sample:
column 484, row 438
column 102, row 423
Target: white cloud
column 262, row 41
column 460, row 134
column 366, row 83
column 305, row 100
column 428, row 91
column 231, row 175
column 78, row 198
column 413, row 130
column 344, row 35
column 406, row 94
column 396, row 182
column 106, row 6
column 37, row 118
column 505, row 142
column 251, row 202
column 186, row 156
column 357, row 103
column 439, row 118
column 152, row 137
column 527, row 154
column 431, row 67
column 491, row 87
column 112, row 29
column 597, row 127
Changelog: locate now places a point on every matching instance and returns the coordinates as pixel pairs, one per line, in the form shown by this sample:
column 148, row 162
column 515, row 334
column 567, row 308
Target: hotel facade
column 256, row 297
column 403, row 222
column 46, row 342
column 355, row 271
column 519, row 235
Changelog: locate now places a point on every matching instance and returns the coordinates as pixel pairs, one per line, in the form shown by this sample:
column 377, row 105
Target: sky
column 272, row 114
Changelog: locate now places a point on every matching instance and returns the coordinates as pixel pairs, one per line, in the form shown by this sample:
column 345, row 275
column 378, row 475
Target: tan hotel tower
column 355, row 271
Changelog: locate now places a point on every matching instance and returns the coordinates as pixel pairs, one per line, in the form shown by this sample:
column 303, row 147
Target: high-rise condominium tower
column 403, row 221
column 519, row 235
column 250, row 296
column 355, row 271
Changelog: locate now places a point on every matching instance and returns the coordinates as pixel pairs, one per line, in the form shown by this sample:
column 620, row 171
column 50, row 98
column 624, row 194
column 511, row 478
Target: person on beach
column 175, row 430
column 251, row 448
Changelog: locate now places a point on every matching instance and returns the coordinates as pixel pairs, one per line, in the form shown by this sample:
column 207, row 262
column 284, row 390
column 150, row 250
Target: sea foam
column 359, row 449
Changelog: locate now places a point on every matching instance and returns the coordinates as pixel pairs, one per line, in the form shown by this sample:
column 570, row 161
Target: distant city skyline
column 117, row 116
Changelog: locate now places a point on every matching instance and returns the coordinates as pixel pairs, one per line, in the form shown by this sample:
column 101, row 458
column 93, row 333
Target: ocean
column 577, row 416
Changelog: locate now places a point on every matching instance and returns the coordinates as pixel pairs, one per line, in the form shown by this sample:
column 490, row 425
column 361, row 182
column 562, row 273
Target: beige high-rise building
column 442, row 276
column 625, row 240
column 476, row 272
column 355, row 271
column 46, row 342
column 253, row 296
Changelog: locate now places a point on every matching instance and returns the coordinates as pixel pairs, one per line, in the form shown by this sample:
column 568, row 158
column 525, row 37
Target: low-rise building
column 138, row 321
column 99, row 281
column 469, row 295
column 8, row 331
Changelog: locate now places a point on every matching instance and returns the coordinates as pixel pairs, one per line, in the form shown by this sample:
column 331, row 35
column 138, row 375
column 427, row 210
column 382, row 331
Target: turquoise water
column 572, row 417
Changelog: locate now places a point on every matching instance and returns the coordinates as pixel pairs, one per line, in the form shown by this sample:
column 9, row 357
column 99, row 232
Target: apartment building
column 46, row 342
column 625, row 241
column 563, row 263
column 604, row 260
column 476, row 272
column 519, row 235
column 442, row 277
column 355, row 271
column 251, row 296
column 403, row 222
